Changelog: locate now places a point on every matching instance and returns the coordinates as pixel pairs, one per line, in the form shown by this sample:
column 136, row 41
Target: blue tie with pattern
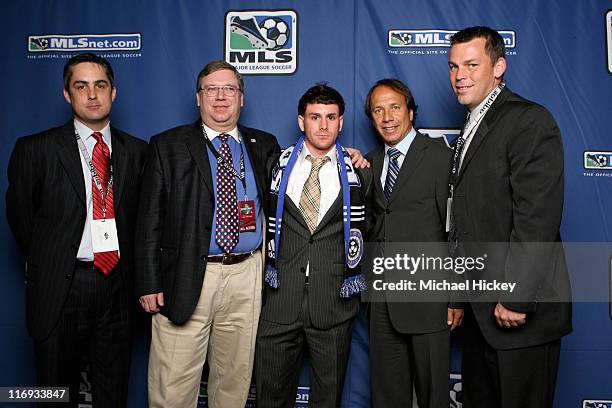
column 392, row 171
column 226, row 232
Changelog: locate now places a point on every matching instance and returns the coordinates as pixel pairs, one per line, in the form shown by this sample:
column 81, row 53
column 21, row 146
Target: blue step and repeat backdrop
column 559, row 54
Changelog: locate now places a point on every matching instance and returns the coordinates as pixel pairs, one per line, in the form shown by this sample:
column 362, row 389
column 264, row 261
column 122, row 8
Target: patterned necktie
column 103, row 261
column 311, row 193
column 226, row 232
column 392, row 171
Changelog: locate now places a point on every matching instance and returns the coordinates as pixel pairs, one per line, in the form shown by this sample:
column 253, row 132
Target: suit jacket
column 176, row 213
column 46, row 210
column 324, row 249
column 415, row 212
column 510, row 190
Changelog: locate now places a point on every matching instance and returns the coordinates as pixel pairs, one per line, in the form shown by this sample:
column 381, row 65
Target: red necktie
column 103, row 261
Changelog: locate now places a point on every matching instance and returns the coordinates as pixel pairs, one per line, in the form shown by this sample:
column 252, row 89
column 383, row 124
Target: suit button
column 387, row 211
column 68, row 276
column 74, row 246
column 303, row 270
column 310, row 241
column 203, row 257
column 207, row 228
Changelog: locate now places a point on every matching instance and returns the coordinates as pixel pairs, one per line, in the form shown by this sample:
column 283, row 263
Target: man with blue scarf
column 316, row 218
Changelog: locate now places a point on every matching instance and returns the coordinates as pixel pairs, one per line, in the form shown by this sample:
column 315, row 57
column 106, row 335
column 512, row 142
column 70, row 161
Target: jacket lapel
column 378, row 158
column 257, row 163
column 482, row 131
column 331, row 212
column 119, row 160
column 70, row 159
column 198, row 150
column 412, row 160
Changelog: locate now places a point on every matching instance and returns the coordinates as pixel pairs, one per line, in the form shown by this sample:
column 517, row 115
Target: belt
column 229, row 259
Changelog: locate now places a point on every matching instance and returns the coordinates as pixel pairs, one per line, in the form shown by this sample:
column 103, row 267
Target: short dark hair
column 323, row 94
column 397, row 86
column 87, row 57
column 219, row 65
column 494, row 45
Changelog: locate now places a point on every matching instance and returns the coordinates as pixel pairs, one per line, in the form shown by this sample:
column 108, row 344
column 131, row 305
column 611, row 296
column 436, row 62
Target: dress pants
column 94, row 328
column 517, row 378
column 399, row 362
column 280, row 350
column 223, row 328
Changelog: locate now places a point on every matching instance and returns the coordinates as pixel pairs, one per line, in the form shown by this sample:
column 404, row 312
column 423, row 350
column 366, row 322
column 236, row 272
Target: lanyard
column 94, row 173
column 229, row 167
column 467, row 133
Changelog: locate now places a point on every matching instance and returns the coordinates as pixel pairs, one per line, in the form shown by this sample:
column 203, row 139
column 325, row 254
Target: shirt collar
column 474, row 112
column 86, row 133
column 213, row 134
column 404, row 145
column 305, row 152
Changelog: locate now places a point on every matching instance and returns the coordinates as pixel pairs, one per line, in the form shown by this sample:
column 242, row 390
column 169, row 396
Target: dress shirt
column 403, row 147
column 247, row 241
column 328, row 178
column 85, row 252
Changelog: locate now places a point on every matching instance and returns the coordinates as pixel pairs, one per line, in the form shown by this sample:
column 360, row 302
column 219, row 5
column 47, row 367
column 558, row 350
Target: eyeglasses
column 213, row 90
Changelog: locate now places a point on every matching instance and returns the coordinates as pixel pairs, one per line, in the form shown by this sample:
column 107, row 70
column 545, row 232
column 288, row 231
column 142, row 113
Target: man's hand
column 152, row 303
column 454, row 317
column 357, row 158
column 507, row 318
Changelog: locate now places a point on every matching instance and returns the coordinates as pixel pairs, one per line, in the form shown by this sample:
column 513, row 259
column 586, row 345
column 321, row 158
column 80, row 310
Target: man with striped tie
column 316, row 218
column 409, row 341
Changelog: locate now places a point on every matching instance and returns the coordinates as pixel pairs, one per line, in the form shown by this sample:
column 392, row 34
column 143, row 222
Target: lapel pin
column 253, row 140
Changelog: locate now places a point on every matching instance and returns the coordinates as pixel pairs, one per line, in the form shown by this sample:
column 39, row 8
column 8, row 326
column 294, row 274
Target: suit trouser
column 279, row 356
column 399, row 361
column 518, row 378
column 94, row 327
column 222, row 327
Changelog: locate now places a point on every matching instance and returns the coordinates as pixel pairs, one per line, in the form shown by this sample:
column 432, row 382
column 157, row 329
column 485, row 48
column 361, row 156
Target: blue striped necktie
column 392, row 171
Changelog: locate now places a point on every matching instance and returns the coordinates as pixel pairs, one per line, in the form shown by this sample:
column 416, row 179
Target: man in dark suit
column 313, row 254
column 409, row 340
column 199, row 236
column 68, row 187
column 507, row 188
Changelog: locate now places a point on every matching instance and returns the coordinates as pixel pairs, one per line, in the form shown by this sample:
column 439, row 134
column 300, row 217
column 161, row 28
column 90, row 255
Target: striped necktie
column 311, row 193
column 392, row 171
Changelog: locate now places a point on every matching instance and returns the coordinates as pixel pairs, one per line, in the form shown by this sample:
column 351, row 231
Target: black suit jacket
column 176, row 213
column 510, row 190
column 415, row 212
column 46, row 210
column 323, row 251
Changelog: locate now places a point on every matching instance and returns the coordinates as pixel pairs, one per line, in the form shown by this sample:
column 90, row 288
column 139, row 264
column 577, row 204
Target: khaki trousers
column 224, row 326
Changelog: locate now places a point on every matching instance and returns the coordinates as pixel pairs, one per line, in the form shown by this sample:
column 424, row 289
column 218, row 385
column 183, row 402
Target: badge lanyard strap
column 94, row 173
column 221, row 161
column 469, row 131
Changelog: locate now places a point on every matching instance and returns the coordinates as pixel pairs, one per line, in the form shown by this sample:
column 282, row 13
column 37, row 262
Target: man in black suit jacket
column 76, row 306
column 207, row 290
column 309, row 301
column 409, row 340
column 507, row 201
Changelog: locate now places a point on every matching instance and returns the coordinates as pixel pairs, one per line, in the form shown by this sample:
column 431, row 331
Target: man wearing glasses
column 199, row 235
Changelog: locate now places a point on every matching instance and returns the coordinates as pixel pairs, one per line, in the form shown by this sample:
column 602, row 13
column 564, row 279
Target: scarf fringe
column 352, row 286
column 271, row 276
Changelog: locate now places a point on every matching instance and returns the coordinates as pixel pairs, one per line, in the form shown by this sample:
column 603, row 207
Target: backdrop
column 559, row 54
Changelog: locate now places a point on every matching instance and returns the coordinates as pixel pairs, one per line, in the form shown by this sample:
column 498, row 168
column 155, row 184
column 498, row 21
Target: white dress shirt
column 85, row 252
column 328, row 178
column 471, row 118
